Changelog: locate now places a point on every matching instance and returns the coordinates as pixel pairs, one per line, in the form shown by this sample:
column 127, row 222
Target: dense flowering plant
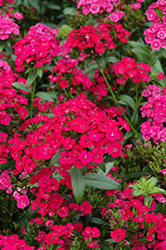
column 73, row 172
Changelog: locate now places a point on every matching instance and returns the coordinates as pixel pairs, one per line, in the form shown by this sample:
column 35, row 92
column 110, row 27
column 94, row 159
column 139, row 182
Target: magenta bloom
column 22, row 201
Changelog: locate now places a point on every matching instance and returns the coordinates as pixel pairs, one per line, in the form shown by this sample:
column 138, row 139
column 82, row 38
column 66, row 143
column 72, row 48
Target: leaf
column 128, row 100
column 134, row 118
column 108, row 167
column 101, row 62
column 55, row 159
column 96, row 220
column 111, row 59
column 69, row 11
column 53, row 6
column 102, row 166
column 7, row 165
column 101, row 182
column 128, row 135
column 135, row 175
column 44, row 96
column 34, row 4
column 47, row 66
column 40, row 72
column 78, row 184
column 21, row 86
column 2, row 46
column 31, row 78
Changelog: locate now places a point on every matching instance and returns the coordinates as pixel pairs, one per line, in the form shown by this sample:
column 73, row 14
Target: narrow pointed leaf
column 78, row 184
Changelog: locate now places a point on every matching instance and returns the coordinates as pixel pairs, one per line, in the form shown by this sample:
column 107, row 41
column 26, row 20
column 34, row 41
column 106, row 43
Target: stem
column 32, row 98
column 116, row 102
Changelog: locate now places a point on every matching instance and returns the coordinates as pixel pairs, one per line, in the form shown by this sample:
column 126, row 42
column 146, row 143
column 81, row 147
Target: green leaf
column 21, row 86
column 70, row 11
column 127, row 136
column 134, row 118
column 101, row 182
column 31, row 78
column 135, row 175
column 40, row 72
column 55, row 159
column 101, row 62
column 44, row 96
column 7, row 165
column 102, row 166
column 53, row 6
column 47, row 66
column 2, row 46
column 34, row 4
column 108, row 167
column 78, row 184
column 96, row 220
column 111, row 59
column 128, row 100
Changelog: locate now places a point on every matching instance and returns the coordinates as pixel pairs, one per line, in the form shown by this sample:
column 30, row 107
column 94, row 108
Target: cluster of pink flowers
column 5, row 182
column 13, row 242
column 3, row 2
column 67, row 75
column 154, row 109
column 128, row 69
column 4, row 149
column 22, row 200
column 136, row 6
column 155, row 34
column 10, row 98
column 8, row 27
column 38, row 47
column 98, row 38
column 89, row 125
column 97, row 7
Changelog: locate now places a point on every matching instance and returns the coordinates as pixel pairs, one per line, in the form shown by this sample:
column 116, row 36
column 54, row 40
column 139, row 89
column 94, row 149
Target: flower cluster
column 97, row 7
column 8, row 27
column 154, row 109
column 155, row 34
column 22, row 200
column 98, row 38
column 67, row 75
column 3, row 2
column 39, row 46
column 129, row 69
column 95, row 134
column 10, row 98
column 13, row 242
column 5, row 182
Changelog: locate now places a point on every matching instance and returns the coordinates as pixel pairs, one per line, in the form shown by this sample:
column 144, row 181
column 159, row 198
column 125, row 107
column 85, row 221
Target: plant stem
column 32, row 98
column 116, row 103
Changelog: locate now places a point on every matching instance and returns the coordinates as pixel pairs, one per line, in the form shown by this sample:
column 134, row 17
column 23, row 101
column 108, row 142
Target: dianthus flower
column 56, row 133
column 155, row 34
column 39, row 46
column 8, row 27
column 155, row 111
column 118, row 235
column 97, row 7
column 128, row 69
column 97, row 39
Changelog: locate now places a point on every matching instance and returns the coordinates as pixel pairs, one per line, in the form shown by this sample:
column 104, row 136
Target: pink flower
column 22, row 201
column 118, row 235
column 161, row 76
column 163, row 171
column 136, row 6
column 155, row 44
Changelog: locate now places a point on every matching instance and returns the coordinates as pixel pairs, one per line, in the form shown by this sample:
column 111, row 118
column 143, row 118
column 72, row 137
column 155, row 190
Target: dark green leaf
column 128, row 100
column 21, row 86
column 2, row 46
column 7, row 165
column 55, row 159
column 111, row 59
column 40, row 72
column 102, row 166
column 78, row 184
column 53, row 6
column 70, row 11
column 31, row 78
column 101, row 182
column 135, row 175
column 44, row 96
column 34, row 4
column 134, row 118
column 96, row 220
